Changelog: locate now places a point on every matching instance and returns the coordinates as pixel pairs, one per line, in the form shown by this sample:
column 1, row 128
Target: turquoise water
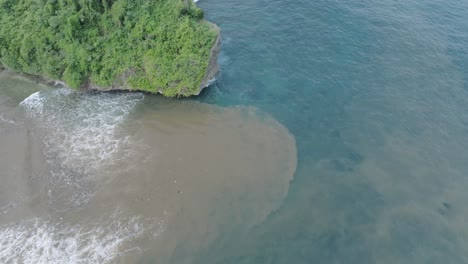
column 375, row 93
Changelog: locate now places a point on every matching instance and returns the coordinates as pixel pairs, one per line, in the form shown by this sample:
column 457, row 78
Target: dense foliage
column 157, row 45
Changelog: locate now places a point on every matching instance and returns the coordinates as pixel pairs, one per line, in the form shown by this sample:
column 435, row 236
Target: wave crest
column 38, row 241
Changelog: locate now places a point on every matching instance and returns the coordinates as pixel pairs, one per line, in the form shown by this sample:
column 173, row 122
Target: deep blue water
column 376, row 95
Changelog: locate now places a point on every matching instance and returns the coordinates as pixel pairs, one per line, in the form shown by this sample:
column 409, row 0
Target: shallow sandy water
column 129, row 178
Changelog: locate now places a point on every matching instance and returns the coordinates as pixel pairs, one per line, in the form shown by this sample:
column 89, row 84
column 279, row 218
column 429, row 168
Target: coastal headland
column 161, row 47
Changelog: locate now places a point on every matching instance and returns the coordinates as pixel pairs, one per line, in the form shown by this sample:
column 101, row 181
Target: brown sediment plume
column 185, row 172
column 208, row 169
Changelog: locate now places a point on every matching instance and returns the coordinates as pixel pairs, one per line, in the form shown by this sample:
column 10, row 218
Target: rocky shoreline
column 121, row 83
column 213, row 68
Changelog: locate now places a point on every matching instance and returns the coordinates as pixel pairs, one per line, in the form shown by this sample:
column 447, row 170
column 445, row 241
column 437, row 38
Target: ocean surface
column 336, row 132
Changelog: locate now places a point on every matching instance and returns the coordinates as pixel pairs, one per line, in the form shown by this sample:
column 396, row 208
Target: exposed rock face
column 212, row 69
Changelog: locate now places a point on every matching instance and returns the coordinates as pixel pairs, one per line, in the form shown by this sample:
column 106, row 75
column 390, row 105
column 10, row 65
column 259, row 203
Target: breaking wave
column 39, row 241
column 81, row 135
column 82, row 127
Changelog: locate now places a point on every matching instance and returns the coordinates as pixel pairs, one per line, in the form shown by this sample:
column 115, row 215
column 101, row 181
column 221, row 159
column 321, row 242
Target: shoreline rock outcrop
column 213, row 67
column 121, row 83
column 164, row 47
column 212, row 70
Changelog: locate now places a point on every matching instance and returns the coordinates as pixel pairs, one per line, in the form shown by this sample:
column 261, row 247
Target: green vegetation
column 152, row 45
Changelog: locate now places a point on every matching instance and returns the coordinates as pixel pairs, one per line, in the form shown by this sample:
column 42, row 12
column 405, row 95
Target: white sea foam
column 81, row 134
column 211, row 81
column 82, row 128
column 34, row 102
column 38, row 241
column 6, row 120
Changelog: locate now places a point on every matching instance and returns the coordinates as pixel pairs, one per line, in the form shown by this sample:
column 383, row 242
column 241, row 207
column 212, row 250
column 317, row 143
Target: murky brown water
column 129, row 178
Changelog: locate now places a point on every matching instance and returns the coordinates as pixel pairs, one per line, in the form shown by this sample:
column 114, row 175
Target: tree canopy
column 157, row 45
